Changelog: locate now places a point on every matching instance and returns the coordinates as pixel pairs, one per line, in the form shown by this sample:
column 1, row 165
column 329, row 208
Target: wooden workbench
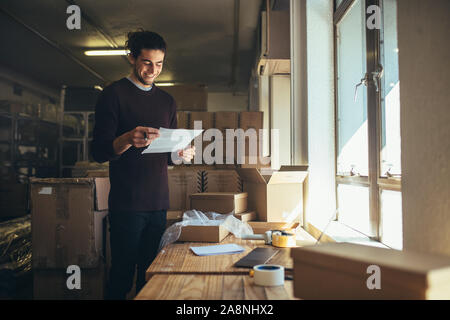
column 178, row 258
column 211, row 287
column 178, row 274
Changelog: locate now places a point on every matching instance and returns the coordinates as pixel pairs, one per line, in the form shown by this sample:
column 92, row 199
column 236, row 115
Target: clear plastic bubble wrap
column 198, row 218
column 15, row 245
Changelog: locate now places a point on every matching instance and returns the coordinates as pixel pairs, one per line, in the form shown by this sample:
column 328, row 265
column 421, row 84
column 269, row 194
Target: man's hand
column 187, row 154
column 142, row 136
column 138, row 137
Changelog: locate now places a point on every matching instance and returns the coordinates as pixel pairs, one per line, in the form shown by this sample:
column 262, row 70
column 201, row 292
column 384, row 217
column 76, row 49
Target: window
column 368, row 165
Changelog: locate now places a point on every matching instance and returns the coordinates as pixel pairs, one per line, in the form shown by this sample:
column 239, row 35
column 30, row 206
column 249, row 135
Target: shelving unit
column 75, row 128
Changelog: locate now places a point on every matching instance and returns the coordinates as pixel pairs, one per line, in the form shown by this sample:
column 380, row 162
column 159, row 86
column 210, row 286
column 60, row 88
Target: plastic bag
column 198, row 218
column 15, row 245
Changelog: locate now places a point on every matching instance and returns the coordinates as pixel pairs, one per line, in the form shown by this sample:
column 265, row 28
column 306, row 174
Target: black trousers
column 134, row 239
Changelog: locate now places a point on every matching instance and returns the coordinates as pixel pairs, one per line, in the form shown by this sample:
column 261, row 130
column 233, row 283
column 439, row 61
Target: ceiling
column 203, row 46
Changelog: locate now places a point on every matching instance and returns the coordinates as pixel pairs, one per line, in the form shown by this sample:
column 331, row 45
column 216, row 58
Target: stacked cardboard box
column 222, row 181
column 68, row 229
column 252, row 123
column 183, row 119
column 228, row 120
column 183, row 181
column 206, row 120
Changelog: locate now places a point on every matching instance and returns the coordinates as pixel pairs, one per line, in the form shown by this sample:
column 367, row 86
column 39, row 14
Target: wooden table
column 177, row 258
column 177, row 273
column 211, row 287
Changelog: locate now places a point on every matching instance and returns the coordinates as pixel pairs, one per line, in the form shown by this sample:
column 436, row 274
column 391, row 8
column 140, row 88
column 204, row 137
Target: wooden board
column 178, row 258
column 211, row 287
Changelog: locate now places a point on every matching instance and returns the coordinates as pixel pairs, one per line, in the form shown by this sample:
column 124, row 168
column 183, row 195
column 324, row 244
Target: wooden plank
column 233, row 288
column 211, row 287
column 252, row 291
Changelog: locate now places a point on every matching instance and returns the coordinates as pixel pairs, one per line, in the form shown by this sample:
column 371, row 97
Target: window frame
column 374, row 181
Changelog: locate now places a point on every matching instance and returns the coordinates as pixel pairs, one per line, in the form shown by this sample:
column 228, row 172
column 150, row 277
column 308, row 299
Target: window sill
column 338, row 232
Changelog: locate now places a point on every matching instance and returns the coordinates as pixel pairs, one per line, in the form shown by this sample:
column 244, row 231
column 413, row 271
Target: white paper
column 45, row 190
column 171, row 140
column 229, row 248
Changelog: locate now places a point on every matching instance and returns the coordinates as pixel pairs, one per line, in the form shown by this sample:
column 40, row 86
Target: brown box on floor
column 277, row 197
column 183, row 181
column 346, row 271
column 203, row 233
column 222, row 181
column 51, row 284
column 66, row 229
column 220, row 202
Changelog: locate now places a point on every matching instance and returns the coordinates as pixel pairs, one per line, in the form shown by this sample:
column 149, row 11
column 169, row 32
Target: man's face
column 148, row 65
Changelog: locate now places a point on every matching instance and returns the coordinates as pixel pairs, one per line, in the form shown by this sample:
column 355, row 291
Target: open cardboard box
column 278, row 197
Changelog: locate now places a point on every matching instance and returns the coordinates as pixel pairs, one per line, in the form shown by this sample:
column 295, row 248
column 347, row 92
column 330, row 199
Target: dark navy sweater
column 138, row 181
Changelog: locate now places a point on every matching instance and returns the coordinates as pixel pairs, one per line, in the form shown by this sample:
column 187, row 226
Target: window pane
column 391, row 219
column 390, row 94
column 352, row 115
column 353, row 204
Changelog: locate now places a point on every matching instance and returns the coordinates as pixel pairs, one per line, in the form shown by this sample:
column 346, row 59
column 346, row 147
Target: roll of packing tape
column 268, row 275
column 283, row 239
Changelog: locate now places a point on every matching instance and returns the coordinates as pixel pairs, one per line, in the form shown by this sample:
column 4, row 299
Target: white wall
column 226, row 101
column 423, row 29
column 321, row 153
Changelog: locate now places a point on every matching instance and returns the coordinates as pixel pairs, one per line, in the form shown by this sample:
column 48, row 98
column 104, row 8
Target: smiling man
column 127, row 117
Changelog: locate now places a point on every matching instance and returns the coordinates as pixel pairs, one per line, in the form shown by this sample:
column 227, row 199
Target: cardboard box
column 51, row 284
column 341, row 271
column 66, row 229
column 203, row 233
column 207, row 119
column 183, row 182
column 189, row 97
column 182, row 120
column 246, row 216
column 222, row 181
column 226, row 120
column 278, row 197
column 173, row 216
column 260, row 227
column 220, row 202
column 251, row 119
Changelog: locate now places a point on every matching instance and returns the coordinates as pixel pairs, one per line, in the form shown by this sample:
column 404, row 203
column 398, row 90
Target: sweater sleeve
column 173, row 125
column 105, row 127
